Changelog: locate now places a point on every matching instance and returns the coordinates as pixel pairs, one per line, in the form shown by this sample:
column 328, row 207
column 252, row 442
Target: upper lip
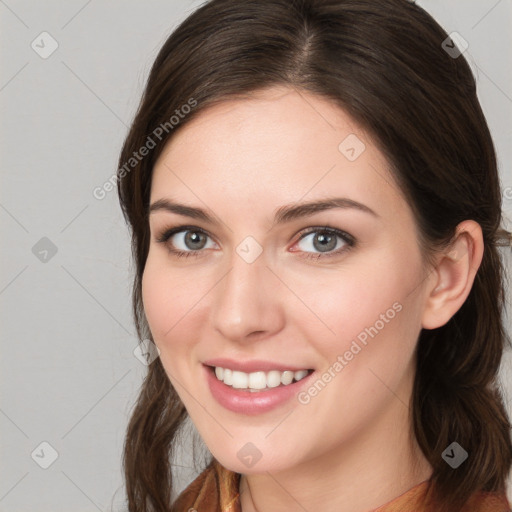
column 254, row 365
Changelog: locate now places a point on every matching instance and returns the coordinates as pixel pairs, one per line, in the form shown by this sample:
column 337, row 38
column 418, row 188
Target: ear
column 451, row 280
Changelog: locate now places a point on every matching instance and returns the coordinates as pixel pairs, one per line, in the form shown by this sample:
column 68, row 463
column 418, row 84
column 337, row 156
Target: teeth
column 240, row 380
column 273, row 379
column 300, row 374
column 257, row 381
column 287, row 377
column 228, row 376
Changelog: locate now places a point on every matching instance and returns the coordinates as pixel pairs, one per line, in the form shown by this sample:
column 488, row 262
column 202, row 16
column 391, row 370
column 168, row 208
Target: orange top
column 216, row 489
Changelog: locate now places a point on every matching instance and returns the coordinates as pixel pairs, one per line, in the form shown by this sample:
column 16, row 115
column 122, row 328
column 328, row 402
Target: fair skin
column 349, row 448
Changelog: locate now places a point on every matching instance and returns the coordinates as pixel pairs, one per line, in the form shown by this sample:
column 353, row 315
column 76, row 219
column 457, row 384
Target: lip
column 256, row 365
column 247, row 402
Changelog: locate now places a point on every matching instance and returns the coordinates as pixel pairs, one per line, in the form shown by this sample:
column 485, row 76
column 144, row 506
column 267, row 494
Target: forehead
column 278, row 118
column 276, row 146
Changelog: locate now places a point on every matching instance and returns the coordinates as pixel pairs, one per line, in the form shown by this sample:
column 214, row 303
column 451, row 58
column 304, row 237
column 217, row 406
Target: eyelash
column 348, row 239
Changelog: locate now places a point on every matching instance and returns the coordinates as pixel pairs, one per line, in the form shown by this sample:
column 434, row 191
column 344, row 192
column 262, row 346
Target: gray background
column 68, row 373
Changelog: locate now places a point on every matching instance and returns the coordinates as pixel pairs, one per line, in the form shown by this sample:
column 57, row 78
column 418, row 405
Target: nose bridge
column 246, row 300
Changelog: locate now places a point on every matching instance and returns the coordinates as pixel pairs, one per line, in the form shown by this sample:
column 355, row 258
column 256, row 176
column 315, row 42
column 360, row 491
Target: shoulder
column 487, row 502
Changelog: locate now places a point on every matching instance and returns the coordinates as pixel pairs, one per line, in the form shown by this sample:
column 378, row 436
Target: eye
column 328, row 241
column 184, row 241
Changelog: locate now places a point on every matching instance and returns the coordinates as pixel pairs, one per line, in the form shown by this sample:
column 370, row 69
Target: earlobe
column 454, row 274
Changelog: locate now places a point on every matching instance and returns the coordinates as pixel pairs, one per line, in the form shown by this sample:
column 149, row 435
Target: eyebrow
column 286, row 213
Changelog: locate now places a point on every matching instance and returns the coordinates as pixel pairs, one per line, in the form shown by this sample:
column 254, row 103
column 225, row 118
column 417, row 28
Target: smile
column 258, row 392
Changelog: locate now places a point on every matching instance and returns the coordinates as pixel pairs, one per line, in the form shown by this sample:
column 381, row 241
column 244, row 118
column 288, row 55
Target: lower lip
column 248, row 402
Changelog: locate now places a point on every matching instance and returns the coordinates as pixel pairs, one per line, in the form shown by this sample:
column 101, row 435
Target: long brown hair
column 384, row 62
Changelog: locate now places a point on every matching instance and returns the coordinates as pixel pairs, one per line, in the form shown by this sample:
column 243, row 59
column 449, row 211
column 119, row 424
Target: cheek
column 165, row 307
column 167, row 297
column 369, row 314
column 161, row 301
column 342, row 304
column 174, row 308
column 156, row 300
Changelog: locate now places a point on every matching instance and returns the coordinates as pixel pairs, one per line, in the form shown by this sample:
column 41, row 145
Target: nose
column 247, row 303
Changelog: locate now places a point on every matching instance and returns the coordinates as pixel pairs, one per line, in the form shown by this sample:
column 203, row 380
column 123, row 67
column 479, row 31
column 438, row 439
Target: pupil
column 324, row 242
column 194, row 238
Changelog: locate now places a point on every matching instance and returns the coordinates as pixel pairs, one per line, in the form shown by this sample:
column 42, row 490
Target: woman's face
column 266, row 283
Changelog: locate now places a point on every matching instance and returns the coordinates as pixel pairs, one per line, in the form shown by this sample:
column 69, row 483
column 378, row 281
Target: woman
column 314, row 201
